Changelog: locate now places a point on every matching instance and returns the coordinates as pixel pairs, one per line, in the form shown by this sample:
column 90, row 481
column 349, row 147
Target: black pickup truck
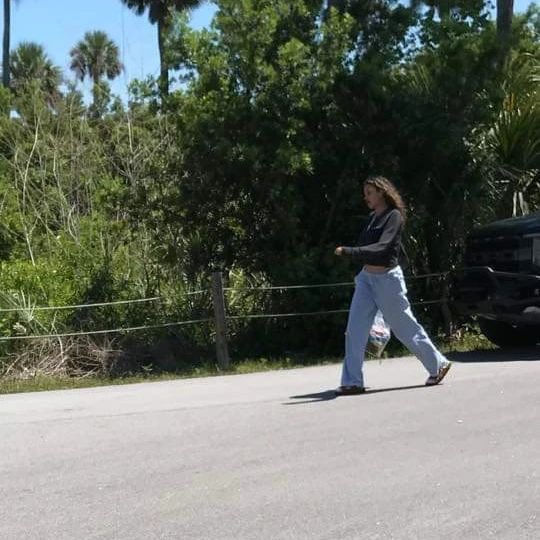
column 500, row 281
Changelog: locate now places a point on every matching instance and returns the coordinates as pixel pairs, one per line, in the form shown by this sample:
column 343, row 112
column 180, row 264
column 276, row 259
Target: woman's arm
column 391, row 229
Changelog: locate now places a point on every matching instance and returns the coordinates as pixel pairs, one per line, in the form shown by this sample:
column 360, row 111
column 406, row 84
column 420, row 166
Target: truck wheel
column 505, row 335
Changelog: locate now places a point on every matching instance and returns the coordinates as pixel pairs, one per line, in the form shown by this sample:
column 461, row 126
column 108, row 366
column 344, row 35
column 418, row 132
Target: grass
column 469, row 342
column 40, row 383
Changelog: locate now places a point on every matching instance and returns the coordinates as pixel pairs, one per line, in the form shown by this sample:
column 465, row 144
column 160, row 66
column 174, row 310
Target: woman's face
column 373, row 197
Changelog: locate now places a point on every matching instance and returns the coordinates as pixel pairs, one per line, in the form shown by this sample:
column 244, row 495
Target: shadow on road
column 529, row 354
column 328, row 395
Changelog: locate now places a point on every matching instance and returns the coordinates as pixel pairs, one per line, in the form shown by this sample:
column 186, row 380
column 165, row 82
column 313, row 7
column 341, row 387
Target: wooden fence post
column 222, row 350
column 445, row 309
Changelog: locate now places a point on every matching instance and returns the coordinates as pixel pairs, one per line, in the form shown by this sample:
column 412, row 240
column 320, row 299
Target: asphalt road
column 275, row 456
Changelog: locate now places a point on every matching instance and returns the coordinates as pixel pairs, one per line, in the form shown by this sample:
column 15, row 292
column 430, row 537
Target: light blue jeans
column 387, row 292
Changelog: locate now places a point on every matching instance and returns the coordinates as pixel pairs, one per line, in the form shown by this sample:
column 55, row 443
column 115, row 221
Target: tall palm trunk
column 5, row 57
column 163, row 67
column 505, row 11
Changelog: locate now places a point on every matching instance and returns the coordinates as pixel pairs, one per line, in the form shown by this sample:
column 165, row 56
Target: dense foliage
column 252, row 164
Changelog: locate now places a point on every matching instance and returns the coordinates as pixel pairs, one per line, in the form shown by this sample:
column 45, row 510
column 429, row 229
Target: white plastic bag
column 379, row 336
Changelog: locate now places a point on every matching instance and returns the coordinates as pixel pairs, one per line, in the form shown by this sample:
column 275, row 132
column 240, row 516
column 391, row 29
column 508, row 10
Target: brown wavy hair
column 390, row 192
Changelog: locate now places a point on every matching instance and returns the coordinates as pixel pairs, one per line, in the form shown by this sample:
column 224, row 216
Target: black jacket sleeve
column 392, row 229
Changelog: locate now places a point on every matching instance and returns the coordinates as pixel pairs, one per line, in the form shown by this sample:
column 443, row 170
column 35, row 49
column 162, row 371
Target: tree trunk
column 505, row 11
column 5, row 57
column 338, row 4
column 95, row 100
column 443, row 9
column 164, row 69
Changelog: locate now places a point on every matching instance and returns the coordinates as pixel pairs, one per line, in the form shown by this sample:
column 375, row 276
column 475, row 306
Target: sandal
column 349, row 390
column 436, row 379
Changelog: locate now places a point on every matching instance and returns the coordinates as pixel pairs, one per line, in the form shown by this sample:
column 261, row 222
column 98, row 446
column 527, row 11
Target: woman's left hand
column 339, row 250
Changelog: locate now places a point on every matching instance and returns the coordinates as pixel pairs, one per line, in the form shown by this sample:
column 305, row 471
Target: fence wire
column 195, row 321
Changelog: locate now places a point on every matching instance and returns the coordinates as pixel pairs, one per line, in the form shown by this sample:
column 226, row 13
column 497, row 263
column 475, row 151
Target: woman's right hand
column 339, row 250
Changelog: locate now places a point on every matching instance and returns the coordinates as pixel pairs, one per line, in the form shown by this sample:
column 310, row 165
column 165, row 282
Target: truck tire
column 505, row 335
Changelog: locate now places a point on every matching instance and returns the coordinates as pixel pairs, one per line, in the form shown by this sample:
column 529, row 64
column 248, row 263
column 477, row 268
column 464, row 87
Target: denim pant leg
column 390, row 294
column 361, row 315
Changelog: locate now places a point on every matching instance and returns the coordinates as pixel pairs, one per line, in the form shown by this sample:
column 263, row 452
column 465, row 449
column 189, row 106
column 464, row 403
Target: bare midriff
column 377, row 269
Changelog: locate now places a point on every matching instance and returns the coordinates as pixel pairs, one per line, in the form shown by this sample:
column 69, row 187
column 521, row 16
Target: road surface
column 276, row 456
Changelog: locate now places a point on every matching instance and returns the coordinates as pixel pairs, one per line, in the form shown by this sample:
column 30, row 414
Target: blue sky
column 59, row 24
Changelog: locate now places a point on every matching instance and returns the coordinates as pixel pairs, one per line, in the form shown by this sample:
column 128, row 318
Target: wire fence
column 96, row 304
column 218, row 296
column 112, row 331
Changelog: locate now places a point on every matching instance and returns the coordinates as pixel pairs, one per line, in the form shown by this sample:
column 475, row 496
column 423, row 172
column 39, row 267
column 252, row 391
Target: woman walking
column 381, row 285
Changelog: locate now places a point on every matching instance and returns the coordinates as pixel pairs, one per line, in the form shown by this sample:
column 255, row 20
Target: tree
column 94, row 57
column 159, row 12
column 510, row 146
column 29, row 62
column 505, row 11
column 251, row 123
column 6, row 43
column 448, row 7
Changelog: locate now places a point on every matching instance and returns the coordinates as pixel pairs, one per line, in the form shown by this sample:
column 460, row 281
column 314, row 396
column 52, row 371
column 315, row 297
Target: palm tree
column 159, row 12
column 29, row 62
column 6, row 43
column 94, row 57
column 5, row 50
column 505, row 12
column 512, row 142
